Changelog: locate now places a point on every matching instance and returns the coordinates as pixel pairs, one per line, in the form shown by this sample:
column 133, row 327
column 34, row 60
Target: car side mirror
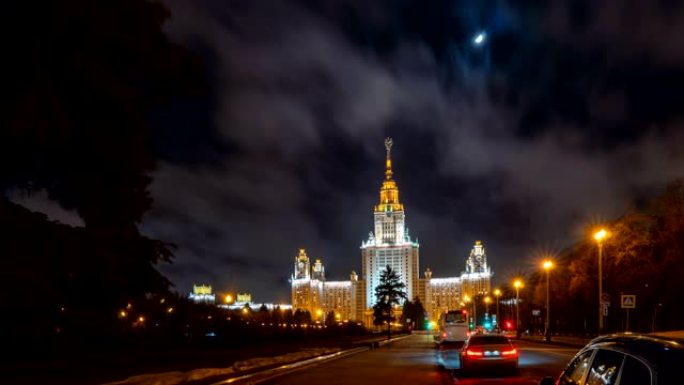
column 547, row 381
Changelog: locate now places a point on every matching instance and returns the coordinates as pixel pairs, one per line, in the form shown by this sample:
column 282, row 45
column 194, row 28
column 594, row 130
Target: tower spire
column 389, row 192
column 388, row 161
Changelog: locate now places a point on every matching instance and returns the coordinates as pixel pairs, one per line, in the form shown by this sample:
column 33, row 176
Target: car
column 453, row 327
column 625, row 359
column 483, row 351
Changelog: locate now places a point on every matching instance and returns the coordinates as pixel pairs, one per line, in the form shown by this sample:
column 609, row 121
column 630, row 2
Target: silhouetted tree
column 302, row 317
column 413, row 314
column 388, row 294
column 330, row 319
column 77, row 125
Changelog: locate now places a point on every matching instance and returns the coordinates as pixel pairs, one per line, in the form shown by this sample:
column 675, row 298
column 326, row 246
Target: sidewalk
column 560, row 340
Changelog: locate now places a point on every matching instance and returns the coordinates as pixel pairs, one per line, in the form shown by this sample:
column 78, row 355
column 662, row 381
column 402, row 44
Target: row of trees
column 643, row 255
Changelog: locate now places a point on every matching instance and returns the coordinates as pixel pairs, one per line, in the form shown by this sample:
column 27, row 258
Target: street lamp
column 497, row 294
column 599, row 236
column 518, row 283
column 467, row 299
column 487, row 301
column 228, row 298
column 547, row 265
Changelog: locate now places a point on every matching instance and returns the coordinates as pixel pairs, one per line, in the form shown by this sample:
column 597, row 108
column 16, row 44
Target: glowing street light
column 228, row 298
column 467, row 300
column 487, row 300
column 517, row 284
column 600, row 236
column 547, row 265
column 497, row 294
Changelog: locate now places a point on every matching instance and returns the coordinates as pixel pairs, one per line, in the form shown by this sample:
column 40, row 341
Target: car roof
column 669, row 339
column 653, row 348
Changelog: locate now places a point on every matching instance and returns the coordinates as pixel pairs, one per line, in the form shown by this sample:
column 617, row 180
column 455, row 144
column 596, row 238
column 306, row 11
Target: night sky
column 568, row 113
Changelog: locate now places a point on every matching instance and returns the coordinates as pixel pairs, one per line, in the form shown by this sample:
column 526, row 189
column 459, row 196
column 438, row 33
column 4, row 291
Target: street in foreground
column 412, row 361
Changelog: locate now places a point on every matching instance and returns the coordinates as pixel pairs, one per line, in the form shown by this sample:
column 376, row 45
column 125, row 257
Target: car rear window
column 488, row 340
column 453, row 317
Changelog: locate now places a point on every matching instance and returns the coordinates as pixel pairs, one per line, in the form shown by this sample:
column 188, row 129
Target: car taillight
column 444, row 335
column 474, row 353
column 511, row 352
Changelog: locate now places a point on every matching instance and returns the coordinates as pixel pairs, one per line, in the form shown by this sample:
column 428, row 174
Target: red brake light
column 473, row 353
column 444, row 335
column 511, row 352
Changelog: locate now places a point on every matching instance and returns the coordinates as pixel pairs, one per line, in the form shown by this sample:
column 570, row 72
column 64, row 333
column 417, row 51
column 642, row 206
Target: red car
column 486, row 351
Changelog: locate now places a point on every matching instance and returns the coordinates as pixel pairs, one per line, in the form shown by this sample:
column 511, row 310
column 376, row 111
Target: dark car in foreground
column 626, row 359
column 486, row 351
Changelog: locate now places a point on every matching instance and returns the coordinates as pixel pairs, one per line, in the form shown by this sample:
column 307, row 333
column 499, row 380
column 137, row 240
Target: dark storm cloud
column 512, row 146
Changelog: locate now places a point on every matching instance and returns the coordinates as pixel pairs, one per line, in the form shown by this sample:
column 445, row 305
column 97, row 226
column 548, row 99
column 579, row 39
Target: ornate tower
column 389, row 212
column 390, row 243
column 477, row 261
column 301, row 268
column 477, row 277
column 318, row 271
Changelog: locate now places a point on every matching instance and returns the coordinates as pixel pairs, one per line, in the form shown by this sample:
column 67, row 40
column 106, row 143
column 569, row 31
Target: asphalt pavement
column 413, row 361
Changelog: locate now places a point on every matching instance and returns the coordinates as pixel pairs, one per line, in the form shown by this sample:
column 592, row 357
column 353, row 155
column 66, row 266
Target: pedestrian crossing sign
column 628, row 301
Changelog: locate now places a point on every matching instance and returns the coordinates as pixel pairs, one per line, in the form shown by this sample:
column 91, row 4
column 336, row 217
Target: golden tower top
column 389, row 192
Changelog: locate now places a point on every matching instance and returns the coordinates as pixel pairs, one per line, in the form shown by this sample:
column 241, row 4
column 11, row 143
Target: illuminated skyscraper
column 390, row 243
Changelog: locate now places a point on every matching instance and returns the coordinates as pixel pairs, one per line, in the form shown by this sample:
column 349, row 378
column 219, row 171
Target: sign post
column 627, row 301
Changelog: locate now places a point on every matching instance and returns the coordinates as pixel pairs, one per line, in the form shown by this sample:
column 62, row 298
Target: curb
column 255, row 378
column 268, row 374
column 385, row 342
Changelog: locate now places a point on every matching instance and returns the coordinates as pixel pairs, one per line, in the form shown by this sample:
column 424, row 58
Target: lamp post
column 547, row 265
column 517, row 284
column 599, row 236
column 487, row 300
column 467, row 299
column 497, row 294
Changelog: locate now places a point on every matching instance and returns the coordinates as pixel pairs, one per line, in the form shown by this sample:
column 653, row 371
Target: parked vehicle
column 626, row 359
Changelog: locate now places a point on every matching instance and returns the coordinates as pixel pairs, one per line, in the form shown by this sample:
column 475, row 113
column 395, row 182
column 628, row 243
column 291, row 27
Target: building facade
column 389, row 244
column 202, row 294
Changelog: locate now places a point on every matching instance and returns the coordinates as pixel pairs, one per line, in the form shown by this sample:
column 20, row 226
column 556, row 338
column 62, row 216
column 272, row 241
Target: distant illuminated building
column 202, row 294
column 388, row 245
column 442, row 294
column 244, row 300
column 311, row 292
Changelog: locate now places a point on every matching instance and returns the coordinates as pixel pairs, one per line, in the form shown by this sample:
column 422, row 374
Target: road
column 412, row 361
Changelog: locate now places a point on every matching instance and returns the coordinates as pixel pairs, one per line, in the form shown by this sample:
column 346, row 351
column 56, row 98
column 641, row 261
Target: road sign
column 605, row 299
column 536, row 313
column 628, row 301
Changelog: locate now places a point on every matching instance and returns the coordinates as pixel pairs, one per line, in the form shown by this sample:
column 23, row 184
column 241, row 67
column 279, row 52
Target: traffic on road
column 415, row 360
